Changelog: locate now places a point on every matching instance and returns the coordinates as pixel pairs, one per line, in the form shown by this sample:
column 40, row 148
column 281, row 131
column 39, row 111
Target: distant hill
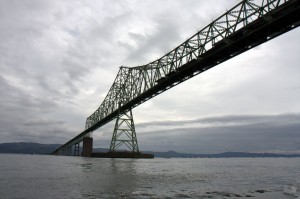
column 173, row 154
column 36, row 148
column 28, row 148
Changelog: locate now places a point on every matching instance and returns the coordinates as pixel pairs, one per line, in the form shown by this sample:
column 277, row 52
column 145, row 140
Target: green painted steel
column 246, row 25
column 124, row 134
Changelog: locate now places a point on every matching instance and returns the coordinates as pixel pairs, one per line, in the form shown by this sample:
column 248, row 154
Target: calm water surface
column 35, row 176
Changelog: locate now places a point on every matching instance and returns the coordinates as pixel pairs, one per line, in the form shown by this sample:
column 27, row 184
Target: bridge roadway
column 223, row 42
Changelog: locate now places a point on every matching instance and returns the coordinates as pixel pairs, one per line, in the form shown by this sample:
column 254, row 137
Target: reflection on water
column 108, row 177
column 86, row 167
column 33, row 176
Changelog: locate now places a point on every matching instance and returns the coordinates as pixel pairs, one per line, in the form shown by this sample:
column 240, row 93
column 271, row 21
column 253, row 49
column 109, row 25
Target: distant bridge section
column 246, row 25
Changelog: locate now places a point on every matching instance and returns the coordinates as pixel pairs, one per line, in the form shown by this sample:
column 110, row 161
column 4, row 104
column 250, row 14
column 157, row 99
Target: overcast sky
column 58, row 59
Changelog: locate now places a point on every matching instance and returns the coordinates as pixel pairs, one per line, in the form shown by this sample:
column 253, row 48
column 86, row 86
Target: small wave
column 225, row 194
column 291, row 190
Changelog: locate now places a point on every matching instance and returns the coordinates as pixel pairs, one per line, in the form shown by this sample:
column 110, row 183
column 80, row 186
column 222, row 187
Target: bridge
column 243, row 27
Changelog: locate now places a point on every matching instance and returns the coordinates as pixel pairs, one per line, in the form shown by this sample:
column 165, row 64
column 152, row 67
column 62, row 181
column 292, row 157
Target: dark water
column 34, row 176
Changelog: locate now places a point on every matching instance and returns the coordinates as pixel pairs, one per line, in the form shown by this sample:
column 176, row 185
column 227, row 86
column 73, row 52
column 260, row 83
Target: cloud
column 229, row 120
column 148, row 45
column 254, row 133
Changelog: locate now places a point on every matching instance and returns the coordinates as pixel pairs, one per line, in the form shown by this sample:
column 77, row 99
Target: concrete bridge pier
column 87, row 147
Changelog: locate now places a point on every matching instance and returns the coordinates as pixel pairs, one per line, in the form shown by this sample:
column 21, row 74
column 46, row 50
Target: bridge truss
column 246, row 25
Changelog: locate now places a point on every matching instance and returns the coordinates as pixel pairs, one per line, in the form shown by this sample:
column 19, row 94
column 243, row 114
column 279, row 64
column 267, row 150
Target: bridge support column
column 76, row 149
column 124, row 134
column 87, row 147
column 69, row 151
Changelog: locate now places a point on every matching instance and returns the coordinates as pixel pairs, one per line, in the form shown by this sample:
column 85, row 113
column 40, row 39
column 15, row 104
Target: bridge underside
column 274, row 23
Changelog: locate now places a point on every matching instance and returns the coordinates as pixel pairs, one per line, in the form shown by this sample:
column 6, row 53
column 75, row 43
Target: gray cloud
column 230, row 120
column 245, row 133
column 153, row 43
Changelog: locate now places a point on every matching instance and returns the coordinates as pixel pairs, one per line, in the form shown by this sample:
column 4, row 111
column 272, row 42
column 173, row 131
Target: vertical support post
column 124, row 133
column 69, row 150
column 87, row 147
column 76, row 149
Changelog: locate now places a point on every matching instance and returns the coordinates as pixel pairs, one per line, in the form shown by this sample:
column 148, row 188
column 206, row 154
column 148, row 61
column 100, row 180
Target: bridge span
column 243, row 27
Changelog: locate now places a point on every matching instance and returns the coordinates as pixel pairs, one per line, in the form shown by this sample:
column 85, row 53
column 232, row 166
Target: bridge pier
column 123, row 139
column 63, row 152
column 69, row 151
column 87, row 147
column 124, row 133
column 76, row 149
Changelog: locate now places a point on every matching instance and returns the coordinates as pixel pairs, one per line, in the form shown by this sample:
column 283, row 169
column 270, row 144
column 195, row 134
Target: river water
column 37, row 176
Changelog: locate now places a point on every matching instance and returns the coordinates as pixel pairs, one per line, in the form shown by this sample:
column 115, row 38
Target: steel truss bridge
column 245, row 26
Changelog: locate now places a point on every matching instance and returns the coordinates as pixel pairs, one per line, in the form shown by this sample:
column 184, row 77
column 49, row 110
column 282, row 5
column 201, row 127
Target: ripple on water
column 59, row 177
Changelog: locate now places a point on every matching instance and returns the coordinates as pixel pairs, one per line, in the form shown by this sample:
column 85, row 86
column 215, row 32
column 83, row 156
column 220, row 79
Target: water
column 35, row 176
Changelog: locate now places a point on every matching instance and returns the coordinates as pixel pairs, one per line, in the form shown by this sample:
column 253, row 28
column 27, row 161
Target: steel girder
column 124, row 133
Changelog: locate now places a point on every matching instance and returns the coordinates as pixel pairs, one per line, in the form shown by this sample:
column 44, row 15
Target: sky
column 58, row 59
